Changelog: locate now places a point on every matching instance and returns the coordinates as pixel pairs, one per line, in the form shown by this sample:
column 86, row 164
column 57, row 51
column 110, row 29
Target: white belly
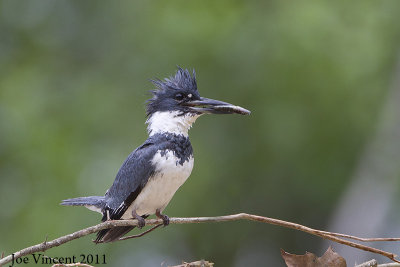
column 160, row 188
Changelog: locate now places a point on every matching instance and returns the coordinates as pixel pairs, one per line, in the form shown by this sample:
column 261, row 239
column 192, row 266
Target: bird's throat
column 170, row 122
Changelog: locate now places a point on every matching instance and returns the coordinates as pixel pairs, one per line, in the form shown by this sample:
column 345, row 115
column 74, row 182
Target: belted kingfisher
column 154, row 171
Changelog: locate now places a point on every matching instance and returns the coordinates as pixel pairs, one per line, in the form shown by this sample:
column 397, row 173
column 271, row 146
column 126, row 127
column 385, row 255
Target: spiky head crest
column 164, row 96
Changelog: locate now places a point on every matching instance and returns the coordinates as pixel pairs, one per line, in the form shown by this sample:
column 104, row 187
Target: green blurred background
column 74, row 79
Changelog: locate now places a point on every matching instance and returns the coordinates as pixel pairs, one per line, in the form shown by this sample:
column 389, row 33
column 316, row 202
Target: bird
column 153, row 172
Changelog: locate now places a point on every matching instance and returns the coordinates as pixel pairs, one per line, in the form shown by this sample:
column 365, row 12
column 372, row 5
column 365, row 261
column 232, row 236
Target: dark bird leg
column 141, row 221
column 164, row 217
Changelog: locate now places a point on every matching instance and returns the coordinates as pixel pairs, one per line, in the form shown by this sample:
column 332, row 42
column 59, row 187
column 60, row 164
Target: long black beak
column 211, row 106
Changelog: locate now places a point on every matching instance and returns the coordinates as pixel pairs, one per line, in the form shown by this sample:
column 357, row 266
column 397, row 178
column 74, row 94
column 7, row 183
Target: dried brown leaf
column 329, row 259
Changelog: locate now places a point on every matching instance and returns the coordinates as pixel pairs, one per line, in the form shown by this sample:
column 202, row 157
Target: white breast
column 159, row 190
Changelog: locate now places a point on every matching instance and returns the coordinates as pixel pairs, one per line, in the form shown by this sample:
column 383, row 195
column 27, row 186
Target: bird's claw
column 141, row 222
column 140, row 219
column 164, row 217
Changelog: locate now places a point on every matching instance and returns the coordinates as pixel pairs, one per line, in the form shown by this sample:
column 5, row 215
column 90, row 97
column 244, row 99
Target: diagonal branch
column 335, row 237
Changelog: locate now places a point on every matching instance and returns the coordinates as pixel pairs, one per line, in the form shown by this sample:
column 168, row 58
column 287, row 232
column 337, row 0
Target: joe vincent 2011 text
column 43, row 259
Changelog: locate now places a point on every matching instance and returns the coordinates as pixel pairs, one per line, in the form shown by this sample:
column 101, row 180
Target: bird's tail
column 96, row 203
column 111, row 235
column 114, row 234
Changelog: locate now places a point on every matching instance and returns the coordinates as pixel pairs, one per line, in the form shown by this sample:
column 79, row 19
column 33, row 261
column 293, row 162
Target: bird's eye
column 179, row 97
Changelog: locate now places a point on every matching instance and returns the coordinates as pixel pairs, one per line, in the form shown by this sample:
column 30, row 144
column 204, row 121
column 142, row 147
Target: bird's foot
column 164, row 217
column 140, row 219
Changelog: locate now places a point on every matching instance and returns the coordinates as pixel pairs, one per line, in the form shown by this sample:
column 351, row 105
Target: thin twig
column 242, row 216
column 377, row 239
column 134, row 236
column 201, row 263
column 142, row 234
column 78, row 264
column 371, row 263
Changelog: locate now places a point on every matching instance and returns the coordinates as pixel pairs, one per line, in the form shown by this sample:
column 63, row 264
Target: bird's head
column 176, row 104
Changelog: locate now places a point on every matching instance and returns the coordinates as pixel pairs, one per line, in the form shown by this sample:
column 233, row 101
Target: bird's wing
column 131, row 178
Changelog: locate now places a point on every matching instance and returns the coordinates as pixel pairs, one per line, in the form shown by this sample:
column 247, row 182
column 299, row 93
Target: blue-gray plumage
column 151, row 174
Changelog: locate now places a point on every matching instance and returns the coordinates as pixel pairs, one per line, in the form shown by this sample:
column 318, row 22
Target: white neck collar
column 170, row 122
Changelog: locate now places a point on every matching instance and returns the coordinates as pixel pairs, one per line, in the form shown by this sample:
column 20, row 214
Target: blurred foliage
column 74, row 77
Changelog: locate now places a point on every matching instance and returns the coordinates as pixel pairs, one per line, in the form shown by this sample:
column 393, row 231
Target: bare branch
column 78, row 264
column 201, row 263
column 335, row 237
column 378, row 239
column 371, row 263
